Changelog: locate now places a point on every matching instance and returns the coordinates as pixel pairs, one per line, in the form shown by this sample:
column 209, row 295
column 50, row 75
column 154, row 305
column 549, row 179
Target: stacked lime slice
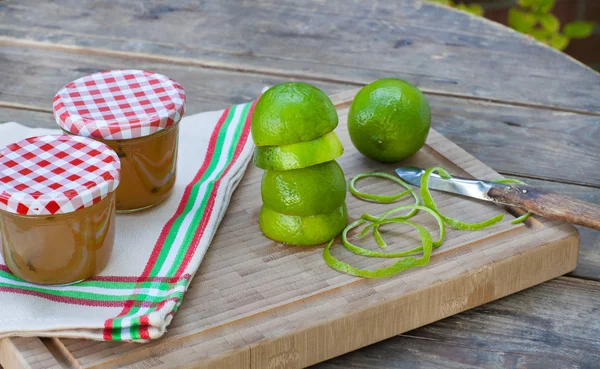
column 303, row 188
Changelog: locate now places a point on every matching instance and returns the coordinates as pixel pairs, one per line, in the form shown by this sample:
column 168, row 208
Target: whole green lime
column 389, row 120
column 313, row 190
column 303, row 231
column 292, row 112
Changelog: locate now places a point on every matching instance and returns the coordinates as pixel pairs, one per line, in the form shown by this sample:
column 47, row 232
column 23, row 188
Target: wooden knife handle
column 548, row 204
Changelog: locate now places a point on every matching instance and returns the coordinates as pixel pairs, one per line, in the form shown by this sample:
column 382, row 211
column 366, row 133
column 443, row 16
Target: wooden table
column 527, row 111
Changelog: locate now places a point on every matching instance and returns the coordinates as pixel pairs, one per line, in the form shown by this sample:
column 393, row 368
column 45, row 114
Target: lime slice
column 299, row 155
column 292, row 112
column 303, row 231
column 312, row 190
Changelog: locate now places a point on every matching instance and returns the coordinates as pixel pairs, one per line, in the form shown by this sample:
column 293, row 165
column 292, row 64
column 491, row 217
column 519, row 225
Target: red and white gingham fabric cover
column 56, row 174
column 119, row 104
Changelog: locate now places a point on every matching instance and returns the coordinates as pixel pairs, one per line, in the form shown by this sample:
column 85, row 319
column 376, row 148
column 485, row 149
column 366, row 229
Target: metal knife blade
column 462, row 186
column 545, row 203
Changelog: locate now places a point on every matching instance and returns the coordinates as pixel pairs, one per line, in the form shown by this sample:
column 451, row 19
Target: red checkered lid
column 119, row 104
column 56, row 174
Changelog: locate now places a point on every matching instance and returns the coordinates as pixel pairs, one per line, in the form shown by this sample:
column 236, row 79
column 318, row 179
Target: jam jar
column 57, row 207
column 137, row 114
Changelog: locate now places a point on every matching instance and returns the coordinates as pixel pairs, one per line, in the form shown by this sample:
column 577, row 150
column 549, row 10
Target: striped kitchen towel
column 156, row 252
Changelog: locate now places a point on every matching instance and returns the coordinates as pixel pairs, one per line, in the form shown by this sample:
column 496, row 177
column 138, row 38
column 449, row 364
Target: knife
column 545, row 203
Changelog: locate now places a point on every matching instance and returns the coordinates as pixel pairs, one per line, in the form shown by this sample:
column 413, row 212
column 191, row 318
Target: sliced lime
column 299, row 155
column 312, row 190
column 303, row 231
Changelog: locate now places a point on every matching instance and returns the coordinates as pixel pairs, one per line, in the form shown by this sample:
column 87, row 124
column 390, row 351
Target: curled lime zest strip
column 383, row 220
column 509, row 181
column 374, row 254
column 399, row 266
column 382, row 199
column 378, row 238
column 454, row 223
column 523, row 217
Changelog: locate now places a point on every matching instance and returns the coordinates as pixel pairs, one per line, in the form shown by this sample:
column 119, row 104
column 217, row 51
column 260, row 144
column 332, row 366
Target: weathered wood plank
column 588, row 265
column 553, row 325
column 514, row 140
column 523, row 141
column 27, row 117
column 439, row 50
column 31, row 77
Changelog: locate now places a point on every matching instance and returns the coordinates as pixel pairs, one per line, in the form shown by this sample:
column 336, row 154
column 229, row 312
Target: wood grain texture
column 550, row 205
column 36, row 75
column 26, row 353
column 27, row 117
column 351, row 43
column 258, row 303
column 546, row 326
column 523, row 141
column 588, row 265
column 441, row 51
column 512, row 140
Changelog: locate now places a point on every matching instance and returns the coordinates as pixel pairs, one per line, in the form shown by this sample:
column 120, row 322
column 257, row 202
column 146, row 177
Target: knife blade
column 545, row 203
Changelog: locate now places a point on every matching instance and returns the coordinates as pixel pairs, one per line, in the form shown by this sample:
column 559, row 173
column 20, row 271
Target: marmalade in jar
column 57, row 208
column 137, row 114
column 148, row 168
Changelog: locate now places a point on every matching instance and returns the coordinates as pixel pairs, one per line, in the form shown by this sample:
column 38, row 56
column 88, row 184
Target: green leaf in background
column 521, row 21
column 475, row 9
column 559, row 41
column 527, row 4
column 535, row 19
column 549, row 22
column 541, row 35
column 579, row 29
column 542, row 6
column 443, row 2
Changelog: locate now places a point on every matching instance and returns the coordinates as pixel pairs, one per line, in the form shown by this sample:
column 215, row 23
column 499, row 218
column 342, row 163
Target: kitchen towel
column 156, row 251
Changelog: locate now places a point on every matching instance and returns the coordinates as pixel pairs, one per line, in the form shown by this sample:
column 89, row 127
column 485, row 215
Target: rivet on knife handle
column 548, row 204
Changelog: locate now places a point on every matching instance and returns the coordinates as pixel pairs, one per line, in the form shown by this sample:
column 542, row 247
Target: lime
column 313, row 190
column 303, row 231
column 389, row 120
column 299, row 155
column 292, row 112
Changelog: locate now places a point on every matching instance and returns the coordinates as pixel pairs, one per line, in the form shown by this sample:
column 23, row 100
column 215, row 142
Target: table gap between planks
column 526, row 110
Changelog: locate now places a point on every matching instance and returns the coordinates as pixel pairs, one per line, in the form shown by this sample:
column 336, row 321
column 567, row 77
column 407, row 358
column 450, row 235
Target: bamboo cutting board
column 258, row 304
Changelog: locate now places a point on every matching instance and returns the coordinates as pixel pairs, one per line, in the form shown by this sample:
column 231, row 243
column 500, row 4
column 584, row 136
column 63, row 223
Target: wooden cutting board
column 258, row 304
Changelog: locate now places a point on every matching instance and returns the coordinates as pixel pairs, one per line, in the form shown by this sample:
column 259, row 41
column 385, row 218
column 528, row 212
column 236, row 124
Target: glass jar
column 137, row 114
column 57, row 208
column 61, row 248
column 148, row 169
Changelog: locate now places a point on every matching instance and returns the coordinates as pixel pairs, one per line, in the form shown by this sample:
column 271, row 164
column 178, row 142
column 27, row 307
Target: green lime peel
column 407, row 258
